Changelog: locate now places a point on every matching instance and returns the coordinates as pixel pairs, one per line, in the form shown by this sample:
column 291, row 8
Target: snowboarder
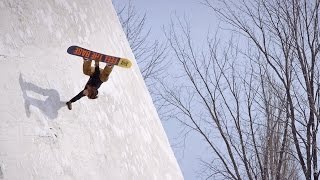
column 97, row 77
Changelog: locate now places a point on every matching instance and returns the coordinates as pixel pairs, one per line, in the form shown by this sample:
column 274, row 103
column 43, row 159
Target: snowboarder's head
column 91, row 92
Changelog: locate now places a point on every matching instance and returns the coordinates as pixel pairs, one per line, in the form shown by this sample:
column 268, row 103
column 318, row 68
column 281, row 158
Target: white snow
column 117, row 136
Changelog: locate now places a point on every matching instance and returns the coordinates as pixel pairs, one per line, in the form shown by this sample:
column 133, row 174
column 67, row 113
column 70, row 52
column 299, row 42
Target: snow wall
column 117, row 136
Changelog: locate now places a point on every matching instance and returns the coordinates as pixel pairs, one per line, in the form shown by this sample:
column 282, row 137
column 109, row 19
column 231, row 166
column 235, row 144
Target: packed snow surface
column 117, row 136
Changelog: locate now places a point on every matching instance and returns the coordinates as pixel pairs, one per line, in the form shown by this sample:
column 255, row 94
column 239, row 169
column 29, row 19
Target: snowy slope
column 117, row 136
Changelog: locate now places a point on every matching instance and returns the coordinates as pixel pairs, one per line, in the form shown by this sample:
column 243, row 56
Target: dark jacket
column 94, row 81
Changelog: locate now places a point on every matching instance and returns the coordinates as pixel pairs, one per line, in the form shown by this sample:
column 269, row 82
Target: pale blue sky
column 159, row 13
column 201, row 19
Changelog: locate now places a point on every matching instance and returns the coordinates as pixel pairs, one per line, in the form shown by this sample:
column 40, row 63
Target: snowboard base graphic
column 85, row 53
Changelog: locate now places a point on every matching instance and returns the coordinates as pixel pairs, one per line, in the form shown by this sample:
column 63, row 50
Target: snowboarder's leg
column 87, row 69
column 104, row 75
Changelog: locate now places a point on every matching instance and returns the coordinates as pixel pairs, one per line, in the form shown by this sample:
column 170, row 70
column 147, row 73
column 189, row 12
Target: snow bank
column 117, row 136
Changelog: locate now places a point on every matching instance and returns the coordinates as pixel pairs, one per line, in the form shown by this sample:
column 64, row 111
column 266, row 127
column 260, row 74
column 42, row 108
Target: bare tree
column 150, row 56
column 286, row 33
column 240, row 113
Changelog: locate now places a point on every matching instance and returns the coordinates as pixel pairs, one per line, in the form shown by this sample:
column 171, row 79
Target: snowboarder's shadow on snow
column 50, row 106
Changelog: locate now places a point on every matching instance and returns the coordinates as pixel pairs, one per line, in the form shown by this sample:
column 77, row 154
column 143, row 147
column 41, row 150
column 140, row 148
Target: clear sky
column 159, row 14
column 201, row 19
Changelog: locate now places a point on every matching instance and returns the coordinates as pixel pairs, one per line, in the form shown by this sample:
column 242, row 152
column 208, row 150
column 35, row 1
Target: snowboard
column 85, row 53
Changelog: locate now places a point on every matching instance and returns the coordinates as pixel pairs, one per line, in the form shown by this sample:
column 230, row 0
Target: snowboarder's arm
column 96, row 63
column 77, row 97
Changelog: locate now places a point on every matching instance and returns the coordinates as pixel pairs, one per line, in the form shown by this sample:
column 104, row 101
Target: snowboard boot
column 69, row 105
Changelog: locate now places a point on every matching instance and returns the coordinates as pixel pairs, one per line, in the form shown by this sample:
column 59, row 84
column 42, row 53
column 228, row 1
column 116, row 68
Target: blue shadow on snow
column 50, row 106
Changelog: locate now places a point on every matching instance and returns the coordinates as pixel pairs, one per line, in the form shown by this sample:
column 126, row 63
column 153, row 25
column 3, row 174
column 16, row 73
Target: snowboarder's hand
column 109, row 65
column 96, row 62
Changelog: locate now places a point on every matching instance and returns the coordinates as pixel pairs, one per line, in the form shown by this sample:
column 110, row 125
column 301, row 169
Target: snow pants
column 89, row 70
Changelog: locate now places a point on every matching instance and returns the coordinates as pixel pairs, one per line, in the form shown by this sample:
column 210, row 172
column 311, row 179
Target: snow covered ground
column 117, row 136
